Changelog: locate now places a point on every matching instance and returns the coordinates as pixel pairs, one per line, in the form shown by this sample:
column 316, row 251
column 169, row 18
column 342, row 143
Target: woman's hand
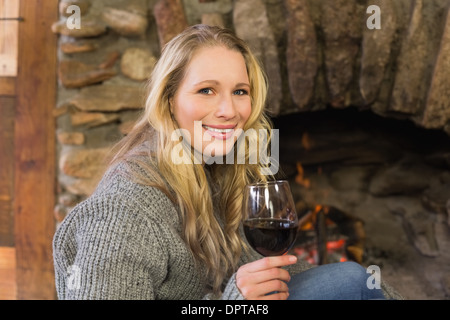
column 258, row 278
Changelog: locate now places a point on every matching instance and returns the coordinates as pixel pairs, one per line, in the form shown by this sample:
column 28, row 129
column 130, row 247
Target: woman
column 165, row 221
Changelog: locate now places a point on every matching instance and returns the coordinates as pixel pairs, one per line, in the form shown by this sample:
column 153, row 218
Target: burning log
column 321, row 231
column 326, row 222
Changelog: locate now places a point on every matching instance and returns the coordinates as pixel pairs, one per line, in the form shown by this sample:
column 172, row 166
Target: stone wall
column 317, row 54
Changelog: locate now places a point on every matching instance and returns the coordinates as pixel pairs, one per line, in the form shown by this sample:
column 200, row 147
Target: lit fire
column 308, row 222
column 311, row 255
column 309, row 252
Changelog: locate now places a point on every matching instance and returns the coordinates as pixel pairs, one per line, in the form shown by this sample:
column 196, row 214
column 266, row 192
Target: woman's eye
column 205, row 91
column 241, row 92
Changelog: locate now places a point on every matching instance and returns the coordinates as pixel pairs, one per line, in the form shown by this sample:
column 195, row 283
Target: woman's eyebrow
column 215, row 82
column 243, row 84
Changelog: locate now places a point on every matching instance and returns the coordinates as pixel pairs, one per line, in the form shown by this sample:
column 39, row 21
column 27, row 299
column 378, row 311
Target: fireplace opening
column 374, row 190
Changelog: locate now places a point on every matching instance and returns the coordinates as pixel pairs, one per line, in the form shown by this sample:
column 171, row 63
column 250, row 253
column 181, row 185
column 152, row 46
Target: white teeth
column 218, row 130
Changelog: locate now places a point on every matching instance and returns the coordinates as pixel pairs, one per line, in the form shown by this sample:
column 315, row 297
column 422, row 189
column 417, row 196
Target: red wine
column 270, row 237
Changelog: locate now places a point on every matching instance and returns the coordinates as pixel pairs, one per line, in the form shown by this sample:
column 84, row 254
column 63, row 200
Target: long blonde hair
column 219, row 248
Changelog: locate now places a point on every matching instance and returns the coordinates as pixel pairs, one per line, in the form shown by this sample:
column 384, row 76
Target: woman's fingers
column 272, row 290
column 257, row 279
column 245, row 277
column 270, row 262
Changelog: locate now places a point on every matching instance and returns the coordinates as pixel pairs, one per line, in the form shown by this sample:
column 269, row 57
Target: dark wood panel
column 34, row 186
column 7, row 112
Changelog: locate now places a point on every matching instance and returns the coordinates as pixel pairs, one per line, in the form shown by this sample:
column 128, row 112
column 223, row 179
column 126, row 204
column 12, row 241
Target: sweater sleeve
column 106, row 250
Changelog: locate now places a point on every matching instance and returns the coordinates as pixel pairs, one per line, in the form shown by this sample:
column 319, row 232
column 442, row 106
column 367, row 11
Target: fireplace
column 381, row 187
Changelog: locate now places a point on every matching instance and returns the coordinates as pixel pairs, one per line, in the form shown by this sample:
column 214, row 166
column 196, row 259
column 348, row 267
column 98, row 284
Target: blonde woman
column 165, row 221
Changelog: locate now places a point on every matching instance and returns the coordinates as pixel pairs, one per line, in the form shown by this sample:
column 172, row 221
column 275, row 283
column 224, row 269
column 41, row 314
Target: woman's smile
column 223, row 132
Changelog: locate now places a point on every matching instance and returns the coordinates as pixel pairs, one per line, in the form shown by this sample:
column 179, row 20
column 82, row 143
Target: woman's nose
column 226, row 108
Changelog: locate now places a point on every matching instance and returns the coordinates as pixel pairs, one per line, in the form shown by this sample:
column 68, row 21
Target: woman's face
column 213, row 100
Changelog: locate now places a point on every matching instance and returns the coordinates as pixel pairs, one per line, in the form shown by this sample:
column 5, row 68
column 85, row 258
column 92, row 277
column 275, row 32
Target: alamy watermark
column 73, row 277
column 74, row 21
column 373, row 22
column 257, row 150
column 374, row 280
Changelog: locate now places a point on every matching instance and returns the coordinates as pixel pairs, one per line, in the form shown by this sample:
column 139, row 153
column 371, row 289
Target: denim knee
column 336, row 281
column 354, row 271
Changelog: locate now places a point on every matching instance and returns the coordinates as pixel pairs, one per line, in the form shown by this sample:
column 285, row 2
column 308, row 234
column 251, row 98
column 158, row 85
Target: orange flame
column 300, row 178
column 306, row 141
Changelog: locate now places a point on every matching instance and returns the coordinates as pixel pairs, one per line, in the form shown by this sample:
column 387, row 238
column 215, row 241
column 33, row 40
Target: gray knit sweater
column 124, row 242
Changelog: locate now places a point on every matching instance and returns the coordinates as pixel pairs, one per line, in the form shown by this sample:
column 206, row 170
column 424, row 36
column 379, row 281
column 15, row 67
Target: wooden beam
column 34, row 187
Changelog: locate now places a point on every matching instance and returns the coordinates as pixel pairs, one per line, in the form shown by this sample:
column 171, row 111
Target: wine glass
column 270, row 219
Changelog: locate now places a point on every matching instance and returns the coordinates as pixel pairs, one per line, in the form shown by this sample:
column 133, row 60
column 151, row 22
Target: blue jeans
column 334, row 281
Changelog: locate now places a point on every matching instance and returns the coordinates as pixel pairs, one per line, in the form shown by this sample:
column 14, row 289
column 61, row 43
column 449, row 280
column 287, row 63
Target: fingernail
column 292, row 258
